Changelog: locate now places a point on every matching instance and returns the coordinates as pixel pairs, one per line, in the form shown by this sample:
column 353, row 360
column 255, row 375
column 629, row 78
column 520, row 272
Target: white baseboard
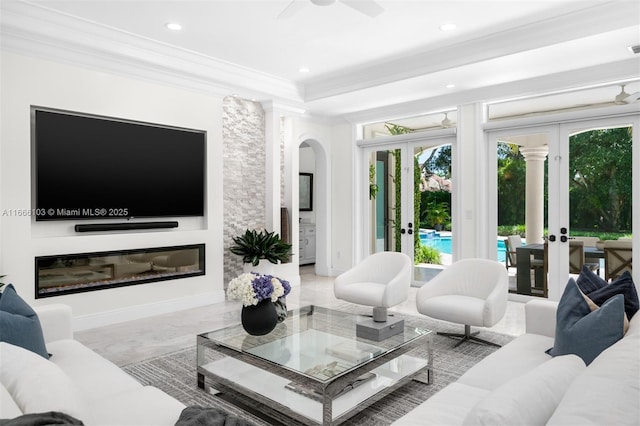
column 85, row 322
column 333, row 272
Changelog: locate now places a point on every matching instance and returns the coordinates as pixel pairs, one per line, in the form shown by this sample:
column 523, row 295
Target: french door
column 391, row 193
column 547, row 151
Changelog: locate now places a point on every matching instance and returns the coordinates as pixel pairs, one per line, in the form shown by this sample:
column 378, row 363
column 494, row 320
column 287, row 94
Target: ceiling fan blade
column 631, row 98
column 620, row 98
column 368, row 7
column 292, row 9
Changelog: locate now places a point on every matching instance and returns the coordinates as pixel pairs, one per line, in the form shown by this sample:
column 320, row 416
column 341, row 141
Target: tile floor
column 134, row 341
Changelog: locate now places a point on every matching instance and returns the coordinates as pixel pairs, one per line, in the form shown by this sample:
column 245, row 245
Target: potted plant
column 438, row 214
column 255, row 246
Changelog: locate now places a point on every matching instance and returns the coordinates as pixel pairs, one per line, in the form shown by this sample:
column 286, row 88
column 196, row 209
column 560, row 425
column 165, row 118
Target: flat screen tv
column 91, row 167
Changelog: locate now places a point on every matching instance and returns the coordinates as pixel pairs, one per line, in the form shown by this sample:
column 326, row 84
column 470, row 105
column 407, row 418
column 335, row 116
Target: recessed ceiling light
column 303, row 69
column 448, row 27
column 450, row 86
column 173, row 26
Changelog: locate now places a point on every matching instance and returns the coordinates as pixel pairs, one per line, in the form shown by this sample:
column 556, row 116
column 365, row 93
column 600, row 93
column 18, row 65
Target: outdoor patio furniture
column 577, row 258
column 617, row 257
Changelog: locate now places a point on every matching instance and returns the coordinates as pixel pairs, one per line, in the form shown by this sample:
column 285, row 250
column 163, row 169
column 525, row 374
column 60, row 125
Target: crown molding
column 537, row 86
column 598, row 19
column 283, row 108
column 33, row 30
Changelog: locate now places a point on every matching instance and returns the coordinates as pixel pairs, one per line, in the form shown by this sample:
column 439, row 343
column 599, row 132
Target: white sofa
column 76, row 381
column 521, row 384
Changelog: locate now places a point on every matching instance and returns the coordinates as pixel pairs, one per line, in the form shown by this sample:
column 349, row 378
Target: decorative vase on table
column 259, row 319
column 263, row 301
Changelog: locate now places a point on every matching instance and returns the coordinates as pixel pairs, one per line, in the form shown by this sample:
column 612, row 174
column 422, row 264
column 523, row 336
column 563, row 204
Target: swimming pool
column 443, row 244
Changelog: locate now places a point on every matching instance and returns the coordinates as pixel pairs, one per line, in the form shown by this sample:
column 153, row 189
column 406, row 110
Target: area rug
column 174, row 373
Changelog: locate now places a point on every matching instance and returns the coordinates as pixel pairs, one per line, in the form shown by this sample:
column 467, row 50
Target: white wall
column 467, row 155
column 28, row 81
column 342, row 184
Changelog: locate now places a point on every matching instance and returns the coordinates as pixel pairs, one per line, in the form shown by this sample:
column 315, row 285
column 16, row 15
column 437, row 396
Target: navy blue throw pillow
column 589, row 281
column 622, row 285
column 19, row 324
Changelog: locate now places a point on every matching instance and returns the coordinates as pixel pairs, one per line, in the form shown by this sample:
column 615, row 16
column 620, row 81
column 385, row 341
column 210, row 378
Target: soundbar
column 123, row 226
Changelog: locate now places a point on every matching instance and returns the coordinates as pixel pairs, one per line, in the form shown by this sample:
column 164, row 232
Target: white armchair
column 382, row 280
column 472, row 292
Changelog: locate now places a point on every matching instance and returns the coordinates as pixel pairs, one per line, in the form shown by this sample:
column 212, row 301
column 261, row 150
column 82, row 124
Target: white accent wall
column 27, row 81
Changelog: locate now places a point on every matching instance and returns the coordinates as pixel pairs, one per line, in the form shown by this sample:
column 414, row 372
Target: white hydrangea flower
column 241, row 288
column 278, row 289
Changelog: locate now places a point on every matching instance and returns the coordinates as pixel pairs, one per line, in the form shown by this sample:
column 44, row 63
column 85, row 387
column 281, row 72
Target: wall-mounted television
column 93, row 167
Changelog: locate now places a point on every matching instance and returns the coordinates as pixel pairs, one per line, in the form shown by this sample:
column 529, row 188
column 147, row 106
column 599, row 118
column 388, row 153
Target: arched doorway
column 314, row 223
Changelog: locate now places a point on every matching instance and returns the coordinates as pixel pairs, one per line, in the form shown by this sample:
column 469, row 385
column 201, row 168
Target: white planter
column 264, row 267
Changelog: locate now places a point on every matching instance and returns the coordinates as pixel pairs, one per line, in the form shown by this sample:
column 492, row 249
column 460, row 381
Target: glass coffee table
column 312, row 369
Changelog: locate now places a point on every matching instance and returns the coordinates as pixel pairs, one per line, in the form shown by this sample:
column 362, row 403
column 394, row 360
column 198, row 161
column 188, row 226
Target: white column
column 535, row 157
column 468, row 208
column 272, row 165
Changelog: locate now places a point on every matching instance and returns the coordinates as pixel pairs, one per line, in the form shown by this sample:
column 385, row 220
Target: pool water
column 443, row 244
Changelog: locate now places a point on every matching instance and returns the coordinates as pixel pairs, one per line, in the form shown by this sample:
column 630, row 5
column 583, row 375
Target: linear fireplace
column 80, row 272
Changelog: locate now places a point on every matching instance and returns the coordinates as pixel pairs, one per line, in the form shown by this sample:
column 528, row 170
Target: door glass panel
column 433, row 209
column 385, row 200
column 410, row 204
column 523, row 211
column 378, row 192
column 600, row 198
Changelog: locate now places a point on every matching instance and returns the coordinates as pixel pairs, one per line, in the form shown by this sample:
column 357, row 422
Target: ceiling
column 358, row 63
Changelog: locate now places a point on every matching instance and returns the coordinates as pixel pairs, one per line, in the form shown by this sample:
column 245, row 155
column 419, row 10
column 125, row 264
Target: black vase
column 259, row 319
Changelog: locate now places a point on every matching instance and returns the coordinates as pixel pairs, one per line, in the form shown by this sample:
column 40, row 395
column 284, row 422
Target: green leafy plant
column 396, row 129
column 373, row 186
column 254, row 246
column 438, row 214
column 427, row 254
column 506, row 230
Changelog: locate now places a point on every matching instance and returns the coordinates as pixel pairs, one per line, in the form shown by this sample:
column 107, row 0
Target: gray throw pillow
column 583, row 332
column 19, row 324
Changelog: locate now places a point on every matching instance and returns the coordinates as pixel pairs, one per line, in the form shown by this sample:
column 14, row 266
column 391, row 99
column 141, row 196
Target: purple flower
column 285, row 284
column 262, row 287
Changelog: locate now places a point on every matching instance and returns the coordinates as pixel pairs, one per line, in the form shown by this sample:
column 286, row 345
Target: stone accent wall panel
column 243, row 127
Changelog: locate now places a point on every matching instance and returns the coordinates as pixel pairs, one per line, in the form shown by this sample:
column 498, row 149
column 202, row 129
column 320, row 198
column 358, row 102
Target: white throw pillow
column 36, row 384
column 529, row 399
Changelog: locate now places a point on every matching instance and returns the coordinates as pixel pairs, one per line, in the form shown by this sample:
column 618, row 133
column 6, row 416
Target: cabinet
column 307, row 240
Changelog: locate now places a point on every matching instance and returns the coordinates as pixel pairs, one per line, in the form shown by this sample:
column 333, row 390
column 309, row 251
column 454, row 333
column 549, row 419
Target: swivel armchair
column 382, row 280
column 472, row 292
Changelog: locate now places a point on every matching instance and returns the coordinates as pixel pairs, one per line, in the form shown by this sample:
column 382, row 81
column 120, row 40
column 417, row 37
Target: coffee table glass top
column 316, row 342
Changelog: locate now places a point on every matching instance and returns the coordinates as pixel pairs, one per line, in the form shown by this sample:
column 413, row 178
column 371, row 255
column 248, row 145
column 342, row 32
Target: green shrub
column 602, row 235
column 506, row 230
column 427, row 254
